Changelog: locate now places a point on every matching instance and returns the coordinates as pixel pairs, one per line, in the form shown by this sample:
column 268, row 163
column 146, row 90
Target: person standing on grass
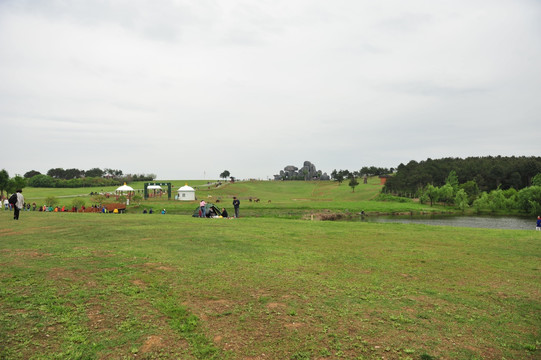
column 202, row 208
column 538, row 225
column 18, row 205
column 236, row 205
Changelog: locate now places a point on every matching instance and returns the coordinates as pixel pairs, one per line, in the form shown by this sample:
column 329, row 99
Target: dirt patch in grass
column 25, row 253
column 329, row 216
column 10, row 232
column 294, row 325
column 139, row 283
column 63, row 274
column 152, row 343
column 96, row 318
column 103, row 253
column 275, row 305
column 158, row 266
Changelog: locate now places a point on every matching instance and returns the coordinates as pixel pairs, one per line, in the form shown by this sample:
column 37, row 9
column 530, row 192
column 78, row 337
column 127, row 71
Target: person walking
column 538, row 225
column 236, row 205
column 18, row 205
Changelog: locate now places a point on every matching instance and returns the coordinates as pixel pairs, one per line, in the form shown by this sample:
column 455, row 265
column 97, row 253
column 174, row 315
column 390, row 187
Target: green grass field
column 134, row 286
column 293, row 199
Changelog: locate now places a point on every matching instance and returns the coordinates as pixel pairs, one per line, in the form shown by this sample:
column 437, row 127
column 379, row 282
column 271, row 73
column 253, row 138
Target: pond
column 487, row 222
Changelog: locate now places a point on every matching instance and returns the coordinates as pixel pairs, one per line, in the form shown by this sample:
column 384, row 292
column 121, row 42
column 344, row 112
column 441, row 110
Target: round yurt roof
column 154, row 187
column 124, row 188
column 186, row 188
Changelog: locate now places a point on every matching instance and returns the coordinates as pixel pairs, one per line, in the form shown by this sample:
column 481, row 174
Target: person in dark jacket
column 18, row 205
column 224, row 213
column 236, row 205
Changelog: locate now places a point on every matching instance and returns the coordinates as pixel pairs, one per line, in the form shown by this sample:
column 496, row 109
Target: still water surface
column 487, row 222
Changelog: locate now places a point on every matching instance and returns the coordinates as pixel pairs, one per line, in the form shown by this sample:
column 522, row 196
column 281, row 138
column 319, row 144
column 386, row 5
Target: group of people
column 203, row 210
column 145, row 211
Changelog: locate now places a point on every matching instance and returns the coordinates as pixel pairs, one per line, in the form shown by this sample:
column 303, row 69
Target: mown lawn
column 283, row 199
column 104, row 286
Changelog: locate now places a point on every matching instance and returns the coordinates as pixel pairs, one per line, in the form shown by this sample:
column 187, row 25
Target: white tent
column 186, row 193
column 124, row 188
column 154, row 187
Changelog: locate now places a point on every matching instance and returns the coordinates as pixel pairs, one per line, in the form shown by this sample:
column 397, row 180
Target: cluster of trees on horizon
column 69, row 178
column 484, row 183
column 489, row 173
column 341, row 175
column 70, row 174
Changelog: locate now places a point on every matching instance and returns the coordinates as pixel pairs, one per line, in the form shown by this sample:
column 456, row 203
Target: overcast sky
column 188, row 89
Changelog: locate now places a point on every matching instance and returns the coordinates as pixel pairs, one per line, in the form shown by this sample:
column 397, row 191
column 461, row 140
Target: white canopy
column 154, row 187
column 124, row 188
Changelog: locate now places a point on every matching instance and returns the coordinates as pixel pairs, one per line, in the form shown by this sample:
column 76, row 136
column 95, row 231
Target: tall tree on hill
column 225, row 174
column 338, row 176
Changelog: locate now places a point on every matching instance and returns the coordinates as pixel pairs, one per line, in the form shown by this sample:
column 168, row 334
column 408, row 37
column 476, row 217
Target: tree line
column 69, row 178
column 488, row 173
column 69, row 174
column 341, row 175
column 467, row 195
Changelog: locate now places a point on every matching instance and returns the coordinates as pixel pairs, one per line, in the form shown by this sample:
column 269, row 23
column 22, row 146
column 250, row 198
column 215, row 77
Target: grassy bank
column 96, row 286
column 289, row 199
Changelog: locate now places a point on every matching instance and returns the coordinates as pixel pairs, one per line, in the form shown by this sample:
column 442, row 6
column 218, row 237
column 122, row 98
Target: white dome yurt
column 124, row 188
column 186, row 193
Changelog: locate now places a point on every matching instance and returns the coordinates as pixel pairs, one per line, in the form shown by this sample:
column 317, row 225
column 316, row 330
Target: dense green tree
column 57, row 173
column 529, row 200
column 73, row 174
column 16, row 183
column 4, row 180
column 481, row 202
column 461, row 200
column 41, row 181
column 31, row 174
column 373, row 171
column 94, row 172
column 447, row 194
column 338, row 176
column 488, row 172
column 471, row 189
column 225, row 174
column 113, row 172
column 432, row 193
column 536, row 181
column 452, row 179
column 353, row 183
column 497, row 200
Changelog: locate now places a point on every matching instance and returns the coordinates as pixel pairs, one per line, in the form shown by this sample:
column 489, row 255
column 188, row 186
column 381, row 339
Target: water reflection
column 487, row 222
